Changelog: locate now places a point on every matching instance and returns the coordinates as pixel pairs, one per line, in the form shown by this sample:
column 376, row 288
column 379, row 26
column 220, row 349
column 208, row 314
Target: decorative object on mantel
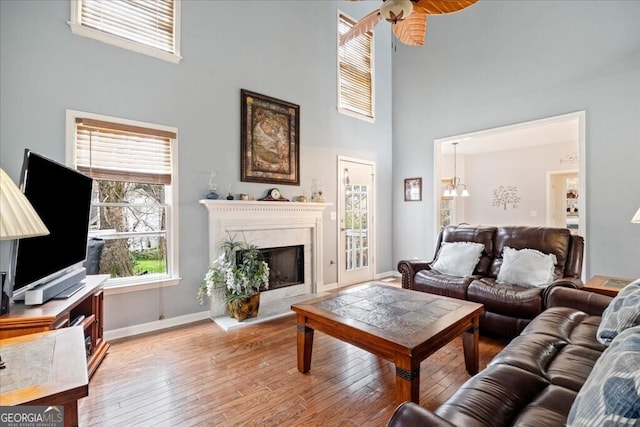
column 504, row 196
column 317, row 191
column 213, row 187
column 270, row 139
column 274, row 195
column 242, row 272
column 456, row 182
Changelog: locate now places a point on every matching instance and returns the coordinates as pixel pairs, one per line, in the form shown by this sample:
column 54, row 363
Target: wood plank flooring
column 199, row 375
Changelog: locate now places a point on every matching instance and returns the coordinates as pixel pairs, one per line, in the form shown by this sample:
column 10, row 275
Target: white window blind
column 149, row 22
column 113, row 151
column 355, row 59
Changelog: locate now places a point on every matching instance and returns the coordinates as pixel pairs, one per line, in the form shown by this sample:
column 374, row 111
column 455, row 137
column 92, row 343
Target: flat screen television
column 62, row 198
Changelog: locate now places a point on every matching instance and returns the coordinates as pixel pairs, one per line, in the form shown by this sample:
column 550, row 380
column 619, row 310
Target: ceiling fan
column 408, row 18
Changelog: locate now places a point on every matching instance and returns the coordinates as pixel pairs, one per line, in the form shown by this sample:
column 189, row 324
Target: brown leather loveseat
column 509, row 306
column 535, row 379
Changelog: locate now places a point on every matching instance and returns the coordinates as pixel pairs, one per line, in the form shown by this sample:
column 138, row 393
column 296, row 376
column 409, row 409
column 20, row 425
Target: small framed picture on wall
column 413, row 189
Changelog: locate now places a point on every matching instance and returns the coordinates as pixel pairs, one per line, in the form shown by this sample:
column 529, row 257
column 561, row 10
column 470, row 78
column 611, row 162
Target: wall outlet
column 533, row 213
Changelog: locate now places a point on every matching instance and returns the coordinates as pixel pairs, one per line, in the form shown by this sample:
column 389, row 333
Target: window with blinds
column 355, row 73
column 146, row 26
column 133, row 203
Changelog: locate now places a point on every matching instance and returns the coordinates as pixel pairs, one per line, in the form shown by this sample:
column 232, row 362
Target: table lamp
column 18, row 220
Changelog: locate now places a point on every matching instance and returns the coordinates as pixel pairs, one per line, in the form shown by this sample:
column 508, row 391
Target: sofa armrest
column 589, row 302
column 408, row 268
column 411, row 414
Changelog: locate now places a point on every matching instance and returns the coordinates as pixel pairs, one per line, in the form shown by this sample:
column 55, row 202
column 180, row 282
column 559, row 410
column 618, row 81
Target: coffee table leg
column 305, row 344
column 471, row 345
column 407, row 380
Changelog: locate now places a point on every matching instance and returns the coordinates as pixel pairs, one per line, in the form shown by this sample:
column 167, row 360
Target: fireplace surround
column 269, row 225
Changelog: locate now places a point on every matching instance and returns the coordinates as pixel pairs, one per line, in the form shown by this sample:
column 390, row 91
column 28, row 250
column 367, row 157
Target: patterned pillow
column 623, row 312
column 611, row 394
column 458, row 258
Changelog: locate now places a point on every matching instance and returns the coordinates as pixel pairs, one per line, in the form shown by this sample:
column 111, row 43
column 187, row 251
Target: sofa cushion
column 477, row 234
column 611, row 394
column 506, row 298
column 434, row 282
column 622, row 313
column 548, row 240
column 526, row 267
column 458, row 258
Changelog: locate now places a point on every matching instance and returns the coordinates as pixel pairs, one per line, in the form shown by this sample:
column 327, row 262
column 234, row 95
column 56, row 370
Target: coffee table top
column 405, row 317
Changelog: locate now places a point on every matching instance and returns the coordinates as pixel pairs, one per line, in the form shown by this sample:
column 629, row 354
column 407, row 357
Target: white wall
column 504, row 62
column 283, row 49
column 524, row 168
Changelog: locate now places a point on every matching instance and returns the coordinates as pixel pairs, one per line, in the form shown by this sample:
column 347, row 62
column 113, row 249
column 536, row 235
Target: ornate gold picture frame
column 270, row 139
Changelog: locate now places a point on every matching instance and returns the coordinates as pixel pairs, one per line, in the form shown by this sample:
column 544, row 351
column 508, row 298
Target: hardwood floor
column 199, row 375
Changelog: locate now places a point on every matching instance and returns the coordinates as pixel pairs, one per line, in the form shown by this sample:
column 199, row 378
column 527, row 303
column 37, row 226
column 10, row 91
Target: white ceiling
column 539, row 132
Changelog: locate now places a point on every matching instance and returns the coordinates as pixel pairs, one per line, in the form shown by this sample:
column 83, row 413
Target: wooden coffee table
column 400, row 325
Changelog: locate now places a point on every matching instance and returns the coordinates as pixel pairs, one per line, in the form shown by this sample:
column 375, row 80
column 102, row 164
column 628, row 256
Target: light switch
column 333, row 216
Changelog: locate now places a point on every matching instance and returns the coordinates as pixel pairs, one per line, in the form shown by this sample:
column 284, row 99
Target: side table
column 45, row 369
column 606, row 285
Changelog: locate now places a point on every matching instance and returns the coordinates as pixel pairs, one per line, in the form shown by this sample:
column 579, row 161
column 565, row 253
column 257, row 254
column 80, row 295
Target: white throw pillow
column 458, row 258
column 526, row 267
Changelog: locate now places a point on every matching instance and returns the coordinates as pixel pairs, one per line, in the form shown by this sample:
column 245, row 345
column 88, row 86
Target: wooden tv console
column 60, row 313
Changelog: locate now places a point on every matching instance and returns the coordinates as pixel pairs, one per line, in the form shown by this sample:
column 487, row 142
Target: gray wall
column 283, row 49
column 504, row 62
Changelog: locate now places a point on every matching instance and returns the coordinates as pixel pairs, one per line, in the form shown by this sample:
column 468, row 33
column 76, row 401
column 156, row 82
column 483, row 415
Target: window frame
column 139, row 283
column 341, row 108
column 81, row 30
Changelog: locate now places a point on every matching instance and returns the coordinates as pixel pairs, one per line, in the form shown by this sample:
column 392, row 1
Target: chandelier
column 456, row 188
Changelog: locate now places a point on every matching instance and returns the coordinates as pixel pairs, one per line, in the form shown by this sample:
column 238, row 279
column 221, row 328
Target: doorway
column 563, row 201
column 356, row 225
column 547, row 132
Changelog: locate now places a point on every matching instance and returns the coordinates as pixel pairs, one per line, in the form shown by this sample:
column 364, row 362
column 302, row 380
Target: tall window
column 145, row 26
column 355, row 73
column 133, row 204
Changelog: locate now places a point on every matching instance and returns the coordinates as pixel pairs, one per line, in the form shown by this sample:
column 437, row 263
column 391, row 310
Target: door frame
column 578, row 116
column 340, row 211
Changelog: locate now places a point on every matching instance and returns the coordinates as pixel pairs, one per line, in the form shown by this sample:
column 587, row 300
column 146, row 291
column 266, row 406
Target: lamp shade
column 636, row 217
column 18, row 219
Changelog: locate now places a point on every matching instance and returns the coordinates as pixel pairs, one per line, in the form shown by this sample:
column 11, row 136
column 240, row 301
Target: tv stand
column 59, row 313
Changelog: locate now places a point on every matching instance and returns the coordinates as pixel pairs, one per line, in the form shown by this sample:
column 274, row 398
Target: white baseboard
column 156, row 325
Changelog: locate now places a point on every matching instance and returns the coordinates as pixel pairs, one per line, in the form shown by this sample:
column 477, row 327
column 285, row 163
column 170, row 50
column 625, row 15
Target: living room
column 494, row 64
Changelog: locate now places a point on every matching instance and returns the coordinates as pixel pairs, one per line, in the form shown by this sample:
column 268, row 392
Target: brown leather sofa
column 534, row 380
column 508, row 307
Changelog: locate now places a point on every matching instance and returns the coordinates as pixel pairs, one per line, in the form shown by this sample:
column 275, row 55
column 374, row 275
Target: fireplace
column 271, row 225
column 286, row 265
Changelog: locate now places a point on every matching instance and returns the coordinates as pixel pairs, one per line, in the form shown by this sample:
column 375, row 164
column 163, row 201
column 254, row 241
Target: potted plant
column 242, row 272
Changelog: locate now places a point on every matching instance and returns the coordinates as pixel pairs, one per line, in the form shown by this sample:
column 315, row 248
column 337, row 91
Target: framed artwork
column 413, row 189
column 270, row 139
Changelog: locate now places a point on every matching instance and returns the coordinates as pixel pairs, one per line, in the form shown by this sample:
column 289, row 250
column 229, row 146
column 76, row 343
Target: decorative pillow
column 526, row 267
column 458, row 258
column 611, row 394
column 622, row 312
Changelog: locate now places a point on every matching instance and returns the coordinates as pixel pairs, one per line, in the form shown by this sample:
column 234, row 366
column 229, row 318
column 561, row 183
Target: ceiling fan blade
column 437, row 7
column 412, row 30
column 362, row 26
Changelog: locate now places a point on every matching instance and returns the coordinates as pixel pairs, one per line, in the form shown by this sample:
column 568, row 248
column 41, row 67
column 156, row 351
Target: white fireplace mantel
column 270, row 224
